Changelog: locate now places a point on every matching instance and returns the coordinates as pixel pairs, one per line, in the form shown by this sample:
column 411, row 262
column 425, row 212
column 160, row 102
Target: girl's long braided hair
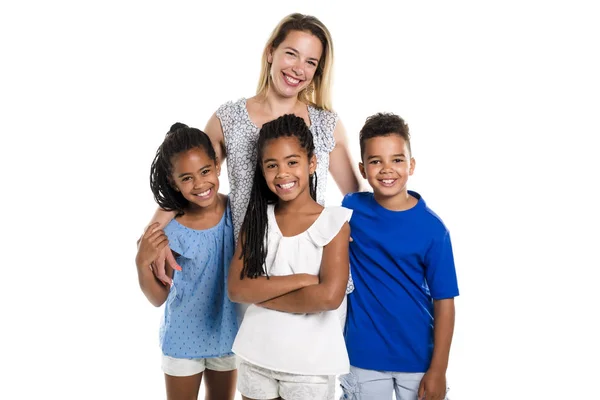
column 255, row 227
column 179, row 139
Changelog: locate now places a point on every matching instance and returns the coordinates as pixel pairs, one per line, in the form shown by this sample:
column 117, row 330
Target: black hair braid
column 179, row 139
column 254, row 229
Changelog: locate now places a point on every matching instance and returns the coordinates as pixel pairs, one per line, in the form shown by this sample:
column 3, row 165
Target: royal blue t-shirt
column 401, row 261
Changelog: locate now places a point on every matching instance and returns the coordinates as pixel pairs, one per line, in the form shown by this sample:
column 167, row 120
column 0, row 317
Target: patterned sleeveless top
column 241, row 135
column 200, row 321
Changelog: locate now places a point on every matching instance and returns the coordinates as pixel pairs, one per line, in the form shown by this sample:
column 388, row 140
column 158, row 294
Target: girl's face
column 294, row 63
column 196, row 176
column 287, row 168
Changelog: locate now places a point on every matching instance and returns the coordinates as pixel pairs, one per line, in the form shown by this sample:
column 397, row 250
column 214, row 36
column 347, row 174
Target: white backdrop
column 502, row 101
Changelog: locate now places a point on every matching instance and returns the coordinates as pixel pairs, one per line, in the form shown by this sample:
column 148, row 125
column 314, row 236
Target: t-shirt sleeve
column 350, row 201
column 440, row 271
column 329, row 225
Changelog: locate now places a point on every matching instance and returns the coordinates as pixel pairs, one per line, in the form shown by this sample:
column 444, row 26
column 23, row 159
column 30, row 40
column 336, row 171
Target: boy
column 401, row 313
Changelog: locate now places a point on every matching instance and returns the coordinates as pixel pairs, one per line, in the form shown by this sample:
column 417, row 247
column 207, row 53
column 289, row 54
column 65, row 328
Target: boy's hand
column 433, row 386
column 150, row 245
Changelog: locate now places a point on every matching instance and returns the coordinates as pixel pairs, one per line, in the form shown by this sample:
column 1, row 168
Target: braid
column 179, row 139
column 255, row 226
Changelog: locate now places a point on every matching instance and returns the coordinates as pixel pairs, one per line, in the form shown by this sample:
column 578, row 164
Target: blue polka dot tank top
column 200, row 321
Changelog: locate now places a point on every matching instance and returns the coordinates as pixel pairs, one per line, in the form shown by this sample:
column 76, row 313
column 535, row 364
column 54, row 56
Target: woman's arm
column 330, row 291
column 342, row 169
column 214, row 130
column 152, row 242
column 256, row 290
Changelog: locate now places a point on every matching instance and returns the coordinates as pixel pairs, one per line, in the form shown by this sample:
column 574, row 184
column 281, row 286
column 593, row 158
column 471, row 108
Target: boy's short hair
column 383, row 124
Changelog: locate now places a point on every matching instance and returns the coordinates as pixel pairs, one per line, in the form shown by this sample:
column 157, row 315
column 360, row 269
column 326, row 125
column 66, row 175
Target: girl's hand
column 158, row 265
column 150, row 245
column 433, row 386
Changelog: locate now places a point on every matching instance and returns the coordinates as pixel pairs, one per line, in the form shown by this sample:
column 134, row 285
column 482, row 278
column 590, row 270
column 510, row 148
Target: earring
column 310, row 89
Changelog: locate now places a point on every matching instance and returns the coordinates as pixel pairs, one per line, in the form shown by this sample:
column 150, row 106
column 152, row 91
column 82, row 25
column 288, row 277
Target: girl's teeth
column 204, row 193
column 287, row 185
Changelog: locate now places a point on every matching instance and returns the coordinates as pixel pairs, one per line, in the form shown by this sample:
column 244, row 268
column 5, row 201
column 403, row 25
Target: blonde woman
column 295, row 79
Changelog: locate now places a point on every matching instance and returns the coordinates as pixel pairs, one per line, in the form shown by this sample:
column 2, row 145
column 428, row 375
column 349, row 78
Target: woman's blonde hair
column 318, row 93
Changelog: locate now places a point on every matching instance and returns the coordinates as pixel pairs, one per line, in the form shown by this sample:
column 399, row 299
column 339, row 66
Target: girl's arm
column 329, row 293
column 164, row 257
column 152, row 242
column 342, row 169
column 256, row 290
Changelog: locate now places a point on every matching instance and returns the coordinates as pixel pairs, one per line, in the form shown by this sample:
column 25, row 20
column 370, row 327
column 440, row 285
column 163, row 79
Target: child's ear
column 172, row 184
column 412, row 166
column 218, row 167
column 312, row 164
column 361, row 168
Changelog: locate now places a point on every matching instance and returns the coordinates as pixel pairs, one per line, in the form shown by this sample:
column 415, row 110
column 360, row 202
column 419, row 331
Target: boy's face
column 387, row 164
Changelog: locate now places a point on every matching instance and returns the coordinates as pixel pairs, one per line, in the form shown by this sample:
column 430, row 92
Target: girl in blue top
column 200, row 322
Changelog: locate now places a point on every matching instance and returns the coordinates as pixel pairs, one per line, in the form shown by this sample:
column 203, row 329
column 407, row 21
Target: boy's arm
column 256, row 290
column 329, row 293
column 433, row 384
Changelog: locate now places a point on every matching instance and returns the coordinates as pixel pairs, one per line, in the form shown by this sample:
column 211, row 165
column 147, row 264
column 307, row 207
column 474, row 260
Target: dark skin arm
column 257, row 290
column 333, row 279
column 150, row 245
column 433, row 384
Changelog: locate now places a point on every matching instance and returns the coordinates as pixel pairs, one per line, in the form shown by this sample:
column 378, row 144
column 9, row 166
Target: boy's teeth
column 387, row 181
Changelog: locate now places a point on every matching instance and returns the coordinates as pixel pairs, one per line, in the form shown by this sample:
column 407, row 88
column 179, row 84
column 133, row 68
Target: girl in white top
column 291, row 265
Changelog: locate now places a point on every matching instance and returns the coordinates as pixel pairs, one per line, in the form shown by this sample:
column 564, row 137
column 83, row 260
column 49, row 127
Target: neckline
column 309, row 110
column 271, row 215
column 414, row 194
column 215, row 226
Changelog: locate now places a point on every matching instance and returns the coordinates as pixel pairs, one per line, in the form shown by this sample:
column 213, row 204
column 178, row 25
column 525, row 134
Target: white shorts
column 261, row 383
column 192, row 366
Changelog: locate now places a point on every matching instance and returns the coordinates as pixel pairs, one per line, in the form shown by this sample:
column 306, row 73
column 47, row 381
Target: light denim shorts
column 366, row 384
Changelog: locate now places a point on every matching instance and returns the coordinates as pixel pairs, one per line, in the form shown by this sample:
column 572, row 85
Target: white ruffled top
column 305, row 344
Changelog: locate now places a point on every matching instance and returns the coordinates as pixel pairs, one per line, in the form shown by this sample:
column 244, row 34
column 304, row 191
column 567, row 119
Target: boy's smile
column 387, row 164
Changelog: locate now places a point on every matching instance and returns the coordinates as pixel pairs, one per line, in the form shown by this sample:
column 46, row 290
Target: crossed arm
column 329, row 292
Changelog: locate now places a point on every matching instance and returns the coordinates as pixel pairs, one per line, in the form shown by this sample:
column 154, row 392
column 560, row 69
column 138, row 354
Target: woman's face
column 294, row 63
